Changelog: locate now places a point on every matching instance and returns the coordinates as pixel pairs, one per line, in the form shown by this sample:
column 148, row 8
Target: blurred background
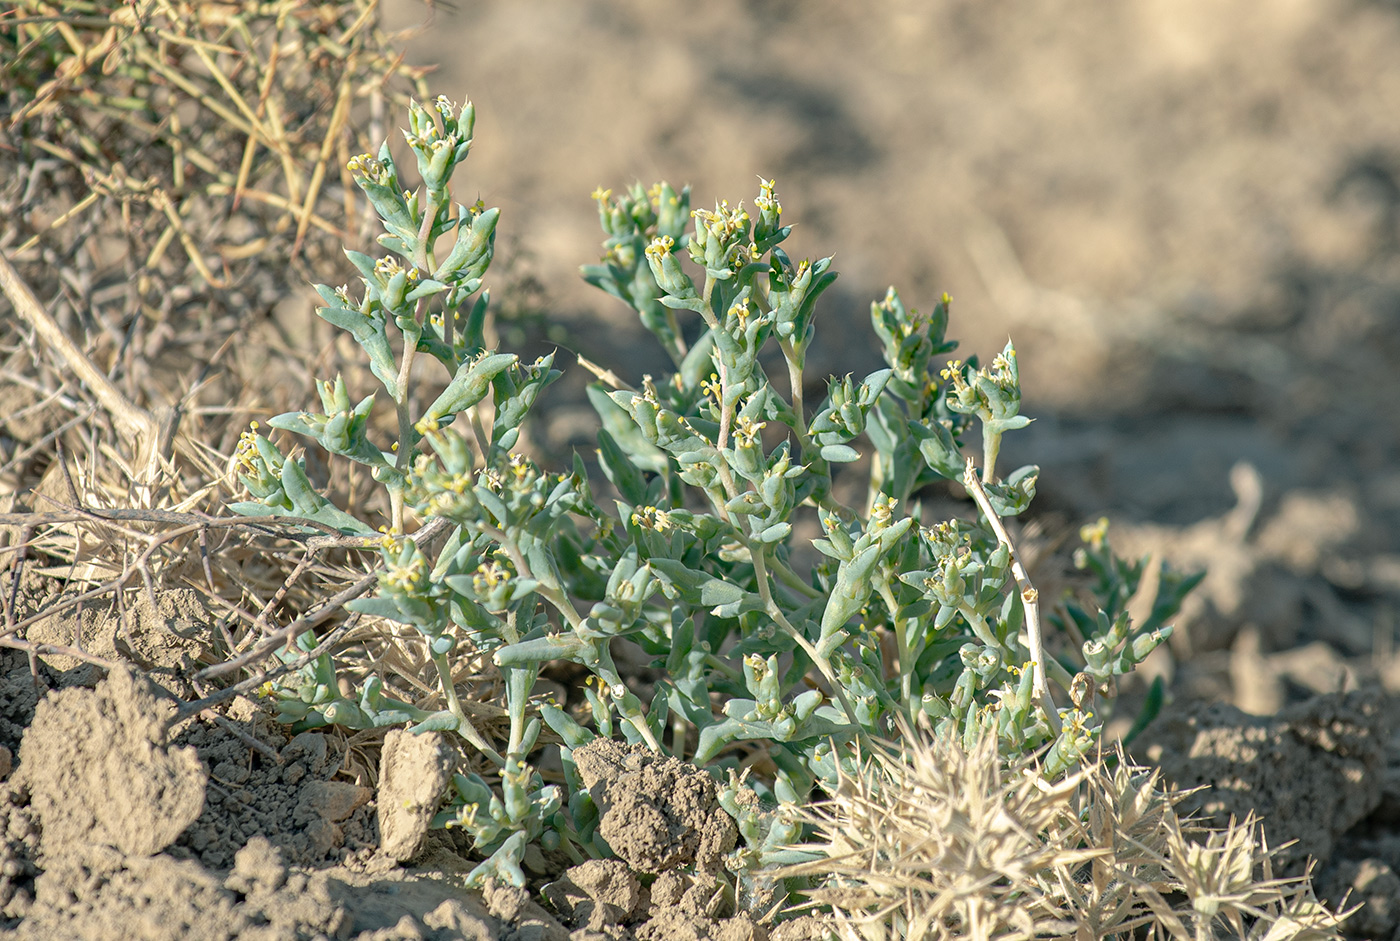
column 1185, row 213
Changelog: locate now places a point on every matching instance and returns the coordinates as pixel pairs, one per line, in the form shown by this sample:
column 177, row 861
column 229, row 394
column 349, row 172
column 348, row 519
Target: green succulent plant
column 689, row 552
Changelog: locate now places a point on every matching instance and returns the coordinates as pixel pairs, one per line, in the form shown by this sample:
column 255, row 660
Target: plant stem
column 678, row 353
column 404, row 454
column 396, row 511
column 678, row 735
column 761, row 576
column 454, row 705
column 565, row 606
column 876, row 484
column 639, row 723
column 1030, row 598
column 422, row 253
column 991, row 447
column 906, row 666
column 790, row 578
column 980, row 627
column 607, row 674
column 794, row 369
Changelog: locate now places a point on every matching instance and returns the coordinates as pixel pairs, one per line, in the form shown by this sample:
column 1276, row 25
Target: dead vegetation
column 941, row 841
column 173, row 178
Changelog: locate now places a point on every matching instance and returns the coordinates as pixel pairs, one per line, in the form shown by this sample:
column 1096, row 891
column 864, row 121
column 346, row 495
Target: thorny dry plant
column 161, row 162
column 939, row 841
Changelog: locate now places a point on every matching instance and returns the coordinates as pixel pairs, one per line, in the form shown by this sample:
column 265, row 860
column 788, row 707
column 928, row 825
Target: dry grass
column 171, row 178
column 938, row 842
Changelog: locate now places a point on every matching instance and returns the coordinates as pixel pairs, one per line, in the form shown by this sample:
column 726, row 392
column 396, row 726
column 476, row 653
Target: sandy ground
column 1185, row 213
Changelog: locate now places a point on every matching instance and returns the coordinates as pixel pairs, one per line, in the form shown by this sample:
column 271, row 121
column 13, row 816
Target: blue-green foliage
column 691, row 559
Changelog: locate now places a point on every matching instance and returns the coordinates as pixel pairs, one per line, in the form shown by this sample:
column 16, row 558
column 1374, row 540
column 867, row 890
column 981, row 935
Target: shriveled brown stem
column 281, row 636
column 32, row 648
column 253, row 682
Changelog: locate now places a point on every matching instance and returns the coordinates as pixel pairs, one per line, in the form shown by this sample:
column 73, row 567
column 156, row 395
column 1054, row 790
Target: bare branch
column 1030, row 598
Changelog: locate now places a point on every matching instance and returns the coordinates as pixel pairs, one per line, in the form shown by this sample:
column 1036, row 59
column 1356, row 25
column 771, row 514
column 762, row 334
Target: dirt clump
column 19, row 846
column 512, row 905
column 99, row 794
column 118, row 823
column 657, row 813
column 662, row 818
column 1375, row 887
column 596, row 894
column 1311, row 772
column 165, row 635
column 414, row 770
column 113, row 827
column 98, row 769
column 678, row 924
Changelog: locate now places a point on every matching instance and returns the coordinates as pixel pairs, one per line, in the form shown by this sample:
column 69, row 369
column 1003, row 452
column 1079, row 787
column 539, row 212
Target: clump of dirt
column 512, row 905
column 1312, row 772
column 596, row 894
column 19, row 846
column 165, row 634
column 413, row 773
column 1324, row 772
column 662, row 819
column 98, row 771
column 1365, row 864
column 1372, row 885
column 657, row 813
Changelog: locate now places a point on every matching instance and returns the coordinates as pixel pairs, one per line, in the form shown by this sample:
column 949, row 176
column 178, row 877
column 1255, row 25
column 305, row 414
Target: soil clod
column 658, row 813
column 414, row 771
column 99, row 769
column 1311, row 772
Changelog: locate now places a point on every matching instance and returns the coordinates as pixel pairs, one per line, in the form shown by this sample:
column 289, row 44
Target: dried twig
column 132, row 419
column 253, row 682
column 1030, row 598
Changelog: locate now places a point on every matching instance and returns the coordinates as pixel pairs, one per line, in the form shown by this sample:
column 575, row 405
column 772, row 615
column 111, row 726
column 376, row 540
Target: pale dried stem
column 282, row 636
column 253, row 682
column 606, row 375
column 1030, row 598
column 131, row 418
column 61, row 650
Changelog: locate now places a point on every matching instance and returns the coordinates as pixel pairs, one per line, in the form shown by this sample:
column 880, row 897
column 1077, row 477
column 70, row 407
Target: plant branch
column 1030, row 598
column 132, row 419
column 822, row 664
